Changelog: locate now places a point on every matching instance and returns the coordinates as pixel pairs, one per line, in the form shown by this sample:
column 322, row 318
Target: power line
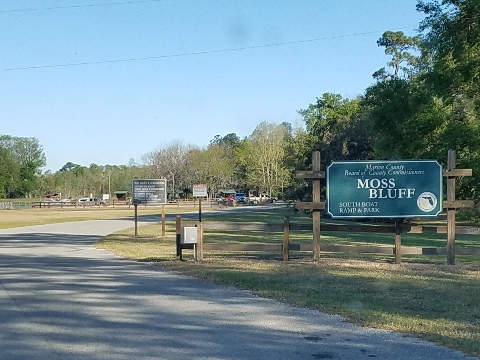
column 195, row 53
column 80, row 6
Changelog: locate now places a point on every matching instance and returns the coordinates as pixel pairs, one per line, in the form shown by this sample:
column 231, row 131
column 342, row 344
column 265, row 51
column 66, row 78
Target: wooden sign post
column 451, row 204
column 199, row 191
column 316, row 205
column 163, row 220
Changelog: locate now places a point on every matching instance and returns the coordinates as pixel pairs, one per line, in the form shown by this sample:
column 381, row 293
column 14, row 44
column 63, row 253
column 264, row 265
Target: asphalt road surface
column 60, row 298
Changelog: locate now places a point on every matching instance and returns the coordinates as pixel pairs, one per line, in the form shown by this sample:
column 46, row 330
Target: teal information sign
column 384, row 189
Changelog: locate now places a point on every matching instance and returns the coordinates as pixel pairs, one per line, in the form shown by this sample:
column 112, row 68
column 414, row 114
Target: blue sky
column 193, row 69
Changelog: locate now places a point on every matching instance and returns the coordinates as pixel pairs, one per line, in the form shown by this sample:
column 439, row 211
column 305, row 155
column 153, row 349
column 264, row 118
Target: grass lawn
column 422, row 297
column 29, row 216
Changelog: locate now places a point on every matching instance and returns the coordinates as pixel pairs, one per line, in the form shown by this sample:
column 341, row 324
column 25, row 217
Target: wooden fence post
column 316, row 205
column 199, row 245
column 286, row 238
column 398, row 242
column 316, row 213
column 451, row 204
column 163, row 220
column 178, row 230
column 136, row 219
column 451, row 164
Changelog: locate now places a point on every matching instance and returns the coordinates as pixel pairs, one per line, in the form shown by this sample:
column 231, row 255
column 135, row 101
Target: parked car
column 240, row 198
column 271, row 199
column 262, row 199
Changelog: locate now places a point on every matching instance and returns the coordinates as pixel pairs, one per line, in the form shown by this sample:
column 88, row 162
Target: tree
column 337, row 128
column 452, row 37
column 6, row 164
column 398, row 45
column 436, row 107
column 69, row 166
column 405, row 118
column 211, row 166
column 27, row 158
column 235, row 151
column 297, row 156
column 170, row 162
column 266, row 151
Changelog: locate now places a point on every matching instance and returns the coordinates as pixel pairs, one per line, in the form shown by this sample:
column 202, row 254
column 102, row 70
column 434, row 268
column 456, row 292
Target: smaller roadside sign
column 149, row 191
column 200, row 190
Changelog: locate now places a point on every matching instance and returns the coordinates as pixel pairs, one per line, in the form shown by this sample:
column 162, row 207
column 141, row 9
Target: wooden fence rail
column 48, row 204
column 287, row 246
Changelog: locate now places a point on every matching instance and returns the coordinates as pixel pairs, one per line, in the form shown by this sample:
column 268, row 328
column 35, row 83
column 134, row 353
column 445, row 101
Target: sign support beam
column 451, row 164
column 316, row 205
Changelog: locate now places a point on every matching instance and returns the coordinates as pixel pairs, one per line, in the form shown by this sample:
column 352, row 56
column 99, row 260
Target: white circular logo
column 427, row 201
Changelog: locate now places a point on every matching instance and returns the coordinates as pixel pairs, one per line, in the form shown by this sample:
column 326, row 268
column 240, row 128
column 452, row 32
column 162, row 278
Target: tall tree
column 6, row 166
column 337, row 127
column 298, row 149
column 236, row 153
column 436, row 107
column 170, row 162
column 452, row 37
column 399, row 47
column 211, row 166
column 405, row 119
column 265, row 159
column 27, row 160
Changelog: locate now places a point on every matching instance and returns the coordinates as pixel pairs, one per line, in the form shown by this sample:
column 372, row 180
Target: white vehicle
column 91, row 201
column 262, row 199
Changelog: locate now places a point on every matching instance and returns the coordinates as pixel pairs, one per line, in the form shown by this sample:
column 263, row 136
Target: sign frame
column 200, row 190
column 393, row 189
column 149, row 191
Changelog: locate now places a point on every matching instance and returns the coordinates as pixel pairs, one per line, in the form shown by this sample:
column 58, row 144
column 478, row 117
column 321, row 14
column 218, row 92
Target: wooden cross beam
column 316, row 205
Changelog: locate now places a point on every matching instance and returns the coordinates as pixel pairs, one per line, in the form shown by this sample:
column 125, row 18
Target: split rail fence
column 451, row 204
column 286, row 246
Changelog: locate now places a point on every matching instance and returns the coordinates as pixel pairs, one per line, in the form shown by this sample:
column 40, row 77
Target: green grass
column 422, row 297
column 29, row 216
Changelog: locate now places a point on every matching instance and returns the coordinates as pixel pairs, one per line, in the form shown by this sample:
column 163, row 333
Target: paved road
column 62, row 299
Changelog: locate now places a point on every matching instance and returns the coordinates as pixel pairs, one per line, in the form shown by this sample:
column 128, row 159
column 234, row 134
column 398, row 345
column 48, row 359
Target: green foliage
column 452, row 36
column 404, row 111
column 22, row 159
column 337, row 128
column 230, row 154
column 437, row 106
column 265, row 158
column 6, row 164
column 212, row 166
column 397, row 45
